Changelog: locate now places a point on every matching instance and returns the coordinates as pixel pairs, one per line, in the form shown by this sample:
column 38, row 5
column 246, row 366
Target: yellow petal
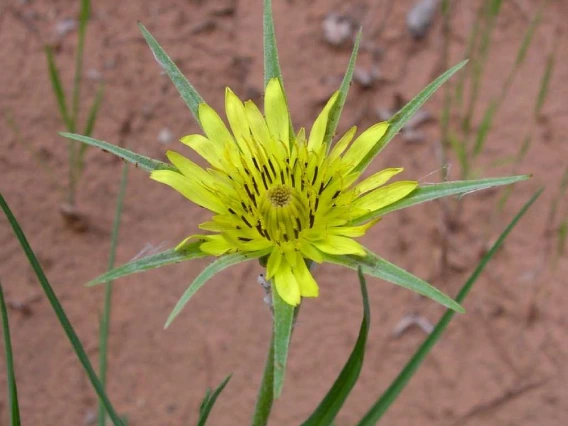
column 364, row 143
column 209, row 150
column 342, row 143
column 192, row 190
column 274, row 262
column 287, row 286
column 236, row 115
column 189, row 168
column 318, row 129
column 216, row 245
column 214, row 127
column 310, row 252
column 335, row 244
column 308, row 285
column 385, row 195
column 276, row 111
column 378, row 179
column 353, row 231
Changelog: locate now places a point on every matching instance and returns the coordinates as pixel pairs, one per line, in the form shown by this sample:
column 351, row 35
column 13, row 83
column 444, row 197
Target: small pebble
column 165, row 136
column 64, row 27
column 336, row 29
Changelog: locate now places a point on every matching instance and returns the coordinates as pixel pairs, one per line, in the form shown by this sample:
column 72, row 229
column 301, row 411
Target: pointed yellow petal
column 341, row 145
column 214, row 127
column 318, row 129
column 385, row 195
column 209, row 150
column 273, row 264
column 353, row 231
column 377, row 180
column 192, row 190
column 287, row 285
column 236, row 115
column 363, row 144
column 216, row 245
column 276, row 111
column 335, row 244
column 189, row 168
column 308, row 285
column 310, row 252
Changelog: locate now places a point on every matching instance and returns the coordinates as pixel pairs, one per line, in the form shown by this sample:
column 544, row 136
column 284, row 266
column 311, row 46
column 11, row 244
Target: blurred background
column 502, row 363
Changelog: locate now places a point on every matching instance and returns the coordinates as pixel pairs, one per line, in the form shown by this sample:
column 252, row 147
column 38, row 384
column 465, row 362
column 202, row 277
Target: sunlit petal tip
column 276, row 111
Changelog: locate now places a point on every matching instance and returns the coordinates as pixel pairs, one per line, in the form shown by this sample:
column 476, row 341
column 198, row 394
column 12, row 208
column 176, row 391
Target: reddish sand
column 502, row 363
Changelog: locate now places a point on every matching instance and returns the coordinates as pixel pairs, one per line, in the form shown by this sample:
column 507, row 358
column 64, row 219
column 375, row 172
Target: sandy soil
column 497, row 365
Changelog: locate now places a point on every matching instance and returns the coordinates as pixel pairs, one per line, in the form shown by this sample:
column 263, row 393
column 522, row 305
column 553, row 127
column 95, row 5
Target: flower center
column 280, row 196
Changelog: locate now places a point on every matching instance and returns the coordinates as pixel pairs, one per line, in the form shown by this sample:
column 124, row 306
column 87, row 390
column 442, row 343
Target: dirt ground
column 503, row 363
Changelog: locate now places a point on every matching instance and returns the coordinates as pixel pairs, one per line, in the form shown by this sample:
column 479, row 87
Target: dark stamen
column 246, row 221
column 245, row 239
column 315, row 175
column 312, row 219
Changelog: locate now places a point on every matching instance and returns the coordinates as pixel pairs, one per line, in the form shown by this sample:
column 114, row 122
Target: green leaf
column 168, row 257
column 390, row 395
column 188, row 93
column 82, row 30
column 265, row 396
column 145, row 163
column 209, row 401
column 67, row 327
column 405, row 114
column 439, row 190
column 331, row 404
column 90, row 125
column 377, row 267
column 221, row 263
column 11, row 376
column 335, row 112
column 271, row 62
column 544, row 84
column 57, row 87
column 484, row 128
column 283, row 321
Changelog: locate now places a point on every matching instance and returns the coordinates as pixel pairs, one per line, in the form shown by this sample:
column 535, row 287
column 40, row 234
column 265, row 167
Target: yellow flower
column 282, row 193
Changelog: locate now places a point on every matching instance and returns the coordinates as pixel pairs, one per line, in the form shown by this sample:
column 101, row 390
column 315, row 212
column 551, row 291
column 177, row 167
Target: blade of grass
column 335, row 112
column 188, row 93
column 439, row 190
column 89, row 126
column 283, row 323
column 327, row 410
column 375, row 266
column 221, row 263
column 544, row 83
column 83, row 20
column 210, row 401
column 401, row 117
column 11, row 376
column 61, row 316
column 265, row 396
column 390, row 395
column 105, row 320
column 57, row 88
column 145, row 163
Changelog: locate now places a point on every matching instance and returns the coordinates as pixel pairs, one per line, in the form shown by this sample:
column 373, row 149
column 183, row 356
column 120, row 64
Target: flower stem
column 266, row 391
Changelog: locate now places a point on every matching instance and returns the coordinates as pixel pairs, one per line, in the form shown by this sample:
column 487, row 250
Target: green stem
column 266, row 392
column 105, row 320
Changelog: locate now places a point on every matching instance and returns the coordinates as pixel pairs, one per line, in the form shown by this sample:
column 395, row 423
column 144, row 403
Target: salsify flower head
column 283, row 193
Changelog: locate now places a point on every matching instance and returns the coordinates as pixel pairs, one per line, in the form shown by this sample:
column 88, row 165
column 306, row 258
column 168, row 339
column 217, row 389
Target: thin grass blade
column 57, row 88
column 82, row 30
column 378, row 267
column 167, row 257
column 390, row 395
column 104, row 327
column 484, row 128
column 221, row 263
column 327, row 410
column 67, row 327
column 335, row 112
column 283, row 323
column 209, row 401
column 438, row 190
column 89, row 127
column 188, row 93
column 544, row 84
column 265, row 396
column 11, row 375
column 406, row 113
column 145, row 163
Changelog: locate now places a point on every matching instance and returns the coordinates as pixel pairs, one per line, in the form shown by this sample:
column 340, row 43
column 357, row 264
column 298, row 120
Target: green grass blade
column 458, row 146
column 57, row 88
column 204, row 402
column 221, row 263
column 331, row 404
column 544, row 84
column 145, row 163
column 438, row 190
column 271, row 62
column 484, row 128
column 378, row 267
column 67, row 327
column 209, row 401
column 83, row 20
column 335, row 112
column 105, row 320
column 401, row 117
column 265, row 396
column 283, row 323
column 11, row 376
column 527, row 39
column 89, row 127
column 390, row 395
column 561, row 242
column 188, row 93
column 168, row 257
